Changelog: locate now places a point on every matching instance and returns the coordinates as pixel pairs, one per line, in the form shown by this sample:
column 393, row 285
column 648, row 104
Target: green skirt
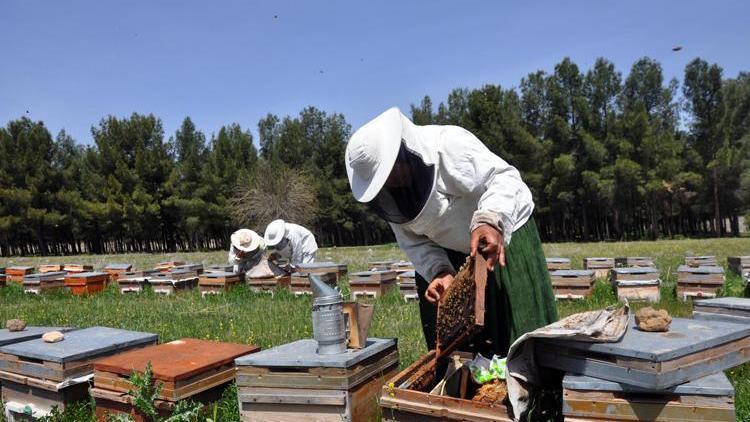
column 520, row 300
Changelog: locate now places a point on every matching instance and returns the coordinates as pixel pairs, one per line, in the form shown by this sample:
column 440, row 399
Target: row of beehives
column 172, row 276
column 638, row 278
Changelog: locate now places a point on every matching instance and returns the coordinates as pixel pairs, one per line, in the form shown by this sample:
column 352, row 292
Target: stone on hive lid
column 30, row 333
column 302, row 353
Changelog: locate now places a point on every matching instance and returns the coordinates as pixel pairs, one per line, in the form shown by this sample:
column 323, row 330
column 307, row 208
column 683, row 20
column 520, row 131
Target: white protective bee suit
column 291, row 242
column 470, row 186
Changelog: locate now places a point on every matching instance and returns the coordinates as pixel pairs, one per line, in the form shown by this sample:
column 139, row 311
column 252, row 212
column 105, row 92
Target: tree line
column 606, row 157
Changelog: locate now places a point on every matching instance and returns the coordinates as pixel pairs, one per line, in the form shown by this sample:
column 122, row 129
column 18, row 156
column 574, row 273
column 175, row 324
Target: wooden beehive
column 600, row 265
column 731, row 309
column 168, row 265
column 268, row 284
column 44, row 282
column 292, row 382
column 739, row 265
column 220, row 268
column 383, row 265
column 371, row 283
column 690, row 350
column 300, row 284
column 407, row 285
column 173, row 281
column 16, row 273
column 402, row 267
column 634, row 261
column 322, row 268
column 187, row 369
column 710, row 398
column 135, row 281
column 88, row 283
column 38, row 375
column 572, row 284
column 78, row 268
column 198, row 268
column 116, row 271
column 29, row 333
column 558, row 264
column 213, row 283
column 407, row 397
column 636, row 283
column 701, row 261
column 699, row 282
column 50, row 268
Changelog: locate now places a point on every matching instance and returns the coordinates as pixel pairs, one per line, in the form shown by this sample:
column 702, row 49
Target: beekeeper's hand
column 488, row 241
column 438, row 286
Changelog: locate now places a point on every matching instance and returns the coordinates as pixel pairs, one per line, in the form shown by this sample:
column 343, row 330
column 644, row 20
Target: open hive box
column 44, row 282
column 636, row 283
column 634, row 261
column 170, row 282
column 16, row 273
column 701, row 261
column 732, row 309
column 427, row 390
column 86, row 283
column 371, row 283
column 188, row 368
column 213, row 283
column 558, row 264
column 600, row 265
column 300, row 284
column 699, row 282
column 710, row 398
column 572, row 284
column 38, row 376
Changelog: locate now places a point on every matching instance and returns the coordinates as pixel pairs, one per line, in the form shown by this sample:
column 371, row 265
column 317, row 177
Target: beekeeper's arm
column 471, row 167
column 430, row 260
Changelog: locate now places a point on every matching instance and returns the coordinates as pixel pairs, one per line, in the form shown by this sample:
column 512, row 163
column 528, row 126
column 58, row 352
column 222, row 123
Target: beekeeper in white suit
column 246, row 251
column 290, row 241
column 446, row 196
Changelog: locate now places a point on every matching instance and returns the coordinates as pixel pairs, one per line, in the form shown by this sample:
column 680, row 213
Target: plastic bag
column 484, row 370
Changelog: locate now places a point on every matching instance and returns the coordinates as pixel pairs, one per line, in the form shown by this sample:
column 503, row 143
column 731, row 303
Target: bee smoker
column 329, row 326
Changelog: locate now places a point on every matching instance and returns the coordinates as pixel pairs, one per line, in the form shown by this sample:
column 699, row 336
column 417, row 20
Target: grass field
column 245, row 317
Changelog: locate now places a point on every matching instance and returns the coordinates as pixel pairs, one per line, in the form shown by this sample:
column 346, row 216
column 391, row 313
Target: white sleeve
column 472, row 167
column 232, row 259
column 429, row 259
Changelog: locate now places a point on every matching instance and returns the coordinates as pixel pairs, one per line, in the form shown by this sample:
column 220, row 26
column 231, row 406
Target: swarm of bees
column 456, row 309
column 492, row 392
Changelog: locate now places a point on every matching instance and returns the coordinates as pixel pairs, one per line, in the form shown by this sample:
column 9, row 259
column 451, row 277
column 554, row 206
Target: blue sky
column 70, row 63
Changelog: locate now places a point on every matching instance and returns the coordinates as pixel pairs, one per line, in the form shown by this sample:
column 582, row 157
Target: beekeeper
column 445, row 195
column 290, row 241
column 246, row 251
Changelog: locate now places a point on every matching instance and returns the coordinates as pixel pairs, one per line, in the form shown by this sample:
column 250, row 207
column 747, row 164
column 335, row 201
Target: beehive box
column 292, row 382
column 168, row 265
column 402, row 267
column 50, row 268
column 698, row 282
column 78, row 268
column 135, row 281
column 173, row 281
column 383, row 265
column 198, row 268
column 300, row 284
column 322, row 268
column 15, row 274
column 30, row 333
column 88, row 283
column 371, row 283
column 407, row 285
column 407, row 397
column 116, row 271
column 739, row 265
column 186, row 369
column 220, row 268
column 214, row 283
column 710, row 398
column 701, row 261
column 44, row 282
column 690, row 350
column 268, row 284
column 555, row 263
column 732, row 309
column 636, row 283
column 572, row 284
column 634, row 261
column 41, row 375
column 600, row 265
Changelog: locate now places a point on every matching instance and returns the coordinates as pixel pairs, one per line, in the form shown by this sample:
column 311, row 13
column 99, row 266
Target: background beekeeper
column 446, row 196
column 290, row 241
column 246, row 251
